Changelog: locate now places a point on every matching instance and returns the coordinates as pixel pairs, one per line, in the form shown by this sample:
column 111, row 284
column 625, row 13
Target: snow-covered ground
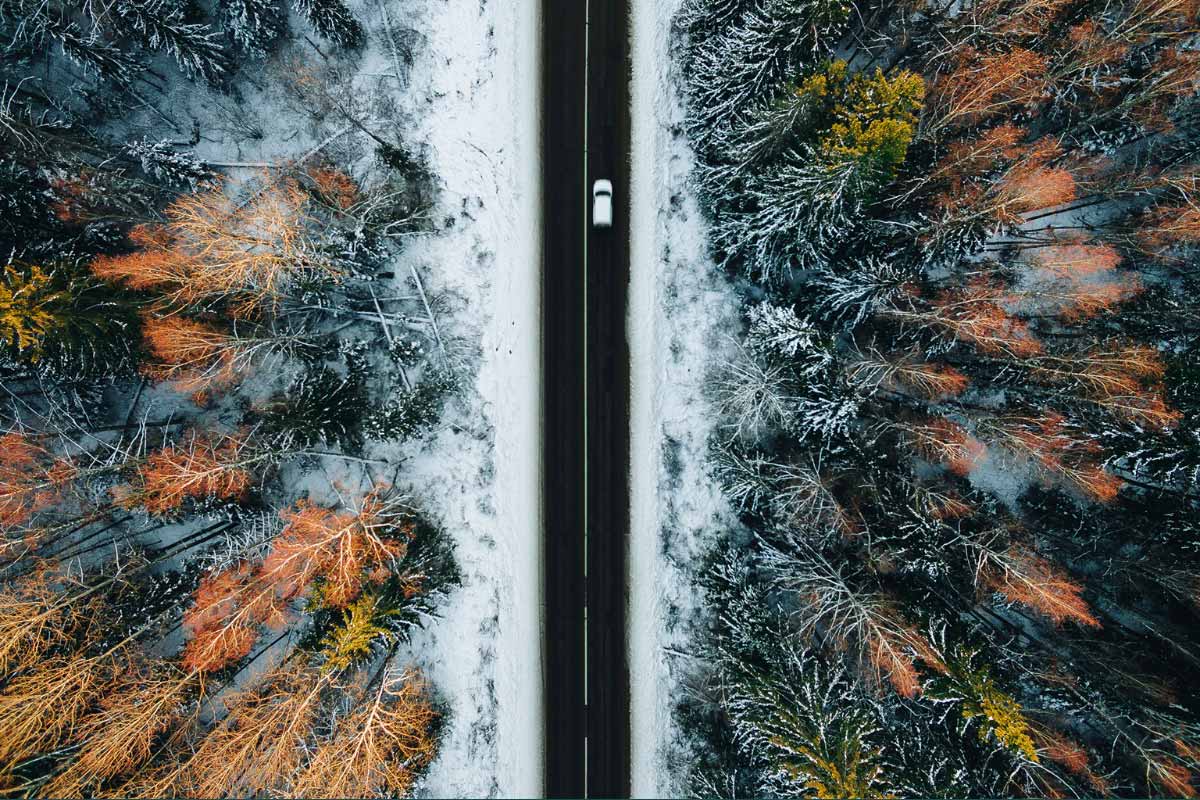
column 683, row 316
column 473, row 96
column 468, row 105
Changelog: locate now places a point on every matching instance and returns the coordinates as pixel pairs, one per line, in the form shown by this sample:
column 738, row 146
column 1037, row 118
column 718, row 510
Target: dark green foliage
column 331, row 19
column 60, row 323
column 255, row 26
column 956, row 407
column 161, row 25
column 408, row 412
column 320, row 405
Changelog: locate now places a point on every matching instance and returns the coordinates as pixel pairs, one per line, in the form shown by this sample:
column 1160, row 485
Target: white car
column 602, row 204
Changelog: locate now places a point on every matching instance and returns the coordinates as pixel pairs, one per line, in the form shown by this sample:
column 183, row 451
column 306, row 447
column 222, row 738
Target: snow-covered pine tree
column 740, row 58
column 171, row 166
column 254, row 25
column 319, row 405
column 331, row 19
column 162, row 25
column 101, row 58
column 410, row 411
column 815, row 733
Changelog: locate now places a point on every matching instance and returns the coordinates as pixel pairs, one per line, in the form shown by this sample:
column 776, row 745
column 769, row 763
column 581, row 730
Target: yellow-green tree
column 870, row 117
column 361, row 628
column 33, row 306
column 982, row 702
column 54, row 315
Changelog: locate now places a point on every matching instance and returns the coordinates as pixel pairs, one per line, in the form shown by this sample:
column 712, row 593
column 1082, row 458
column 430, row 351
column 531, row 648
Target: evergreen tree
column 320, row 405
column 816, row 735
column 170, row 166
column 162, row 25
column 410, row 411
column 254, row 25
column 331, row 19
column 60, row 321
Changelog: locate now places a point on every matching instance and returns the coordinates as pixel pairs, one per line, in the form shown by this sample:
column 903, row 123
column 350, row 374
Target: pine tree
column 408, row 412
column 56, row 318
column 362, row 630
column 171, row 166
column 331, row 19
column 982, row 704
column 320, row 405
column 818, row 738
column 161, row 25
column 254, row 25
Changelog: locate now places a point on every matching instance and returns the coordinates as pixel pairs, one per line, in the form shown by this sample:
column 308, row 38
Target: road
column 585, row 278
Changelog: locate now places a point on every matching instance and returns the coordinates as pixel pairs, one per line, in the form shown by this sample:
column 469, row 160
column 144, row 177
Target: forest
column 960, row 428
column 209, row 560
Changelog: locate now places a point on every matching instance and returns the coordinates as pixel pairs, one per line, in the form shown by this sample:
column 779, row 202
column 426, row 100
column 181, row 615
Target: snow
column 473, row 96
column 683, row 312
column 468, row 103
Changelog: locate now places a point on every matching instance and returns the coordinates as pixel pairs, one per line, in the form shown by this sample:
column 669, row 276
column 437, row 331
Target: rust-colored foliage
column 933, row 380
column 193, row 355
column 967, row 159
column 1058, row 748
column 983, row 85
column 1079, row 281
column 909, row 374
column 976, row 314
column 31, row 479
column 334, row 186
column 212, row 245
column 258, row 746
column 227, row 611
column 1048, row 443
column 1167, row 228
column 40, row 709
column 1030, row 187
column 1124, row 379
column 33, row 619
column 1090, row 47
column 345, row 551
column 1074, row 261
column 1173, row 778
column 947, row 443
column 198, row 467
column 120, row 736
column 1023, row 18
column 380, row 747
column 1022, row 576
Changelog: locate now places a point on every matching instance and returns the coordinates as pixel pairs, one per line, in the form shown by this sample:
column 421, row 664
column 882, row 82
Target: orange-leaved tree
column 198, row 355
column 345, row 551
column 380, row 747
column 197, row 467
column 213, row 245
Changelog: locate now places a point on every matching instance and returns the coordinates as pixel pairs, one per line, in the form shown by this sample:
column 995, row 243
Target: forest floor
column 474, row 104
column 684, row 315
column 452, row 81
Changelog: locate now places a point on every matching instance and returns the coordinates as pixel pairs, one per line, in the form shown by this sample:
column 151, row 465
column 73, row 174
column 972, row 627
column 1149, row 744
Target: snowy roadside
column 475, row 105
column 683, row 315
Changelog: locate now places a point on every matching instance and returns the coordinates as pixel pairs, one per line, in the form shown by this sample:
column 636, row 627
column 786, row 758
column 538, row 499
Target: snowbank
column 473, row 96
column 683, row 314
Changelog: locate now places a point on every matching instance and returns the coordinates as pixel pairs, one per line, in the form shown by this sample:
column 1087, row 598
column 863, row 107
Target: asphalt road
column 585, row 280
